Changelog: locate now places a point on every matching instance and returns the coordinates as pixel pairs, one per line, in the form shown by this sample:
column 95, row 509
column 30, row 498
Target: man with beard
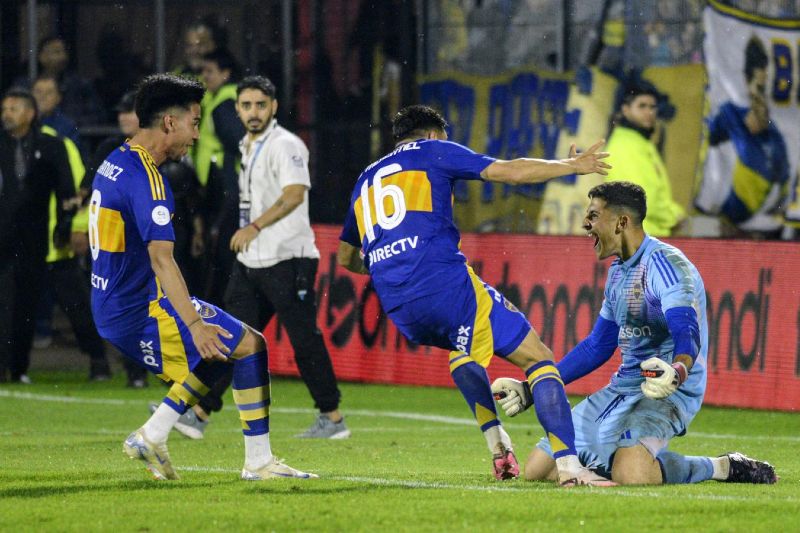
column 277, row 259
column 635, row 158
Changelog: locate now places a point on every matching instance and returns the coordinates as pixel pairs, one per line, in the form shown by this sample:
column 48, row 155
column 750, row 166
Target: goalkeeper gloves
column 661, row 378
column 512, row 395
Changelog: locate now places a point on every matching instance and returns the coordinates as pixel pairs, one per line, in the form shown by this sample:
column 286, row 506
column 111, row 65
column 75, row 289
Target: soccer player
column 655, row 311
column 139, row 298
column 401, row 216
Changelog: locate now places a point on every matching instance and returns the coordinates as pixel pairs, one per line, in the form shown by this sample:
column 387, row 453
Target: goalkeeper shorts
column 468, row 316
column 608, row 420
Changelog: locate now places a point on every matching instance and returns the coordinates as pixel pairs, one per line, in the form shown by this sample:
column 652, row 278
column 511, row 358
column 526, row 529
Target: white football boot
column 274, row 469
column 154, row 456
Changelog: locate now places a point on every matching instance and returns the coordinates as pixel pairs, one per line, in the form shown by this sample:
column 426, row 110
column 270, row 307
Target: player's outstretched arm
column 349, row 257
column 524, row 170
column 205, row 336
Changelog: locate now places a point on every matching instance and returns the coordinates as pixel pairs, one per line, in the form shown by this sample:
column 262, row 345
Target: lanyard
column 248, row 171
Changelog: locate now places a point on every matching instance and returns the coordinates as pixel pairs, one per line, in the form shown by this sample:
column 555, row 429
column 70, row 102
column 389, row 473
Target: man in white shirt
column 277, row 259
column 276, row 262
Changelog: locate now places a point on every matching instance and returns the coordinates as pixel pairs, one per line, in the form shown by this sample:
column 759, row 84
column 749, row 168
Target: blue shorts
column 468, row 317
column 607, row 420
column 164, row 345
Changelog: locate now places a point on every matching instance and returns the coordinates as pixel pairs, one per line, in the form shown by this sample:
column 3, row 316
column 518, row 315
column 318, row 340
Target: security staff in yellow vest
column 216, row 159
column 635, row 158
column 66, row 279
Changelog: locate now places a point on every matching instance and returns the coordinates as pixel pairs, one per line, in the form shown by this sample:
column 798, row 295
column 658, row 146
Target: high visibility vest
column 634, row 158
column 80, row 222
column 208, row 149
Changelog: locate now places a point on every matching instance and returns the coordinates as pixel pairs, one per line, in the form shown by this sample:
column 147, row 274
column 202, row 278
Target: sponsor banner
column 535, row 113
column 753, row 312
column 753, row 118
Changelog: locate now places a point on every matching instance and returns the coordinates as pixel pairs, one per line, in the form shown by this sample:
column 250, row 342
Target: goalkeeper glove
column 512, row 395
column 661, row 378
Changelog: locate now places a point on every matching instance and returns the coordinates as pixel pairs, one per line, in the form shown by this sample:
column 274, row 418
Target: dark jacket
column 24, row 206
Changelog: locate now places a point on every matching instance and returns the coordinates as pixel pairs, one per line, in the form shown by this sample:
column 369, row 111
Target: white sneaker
column 154, row 456
column 584, row 477
column 275, row 469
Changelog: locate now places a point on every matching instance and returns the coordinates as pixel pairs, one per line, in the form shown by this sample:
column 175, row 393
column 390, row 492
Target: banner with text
column 533, row 113
column 753, row 313
column 753, row 119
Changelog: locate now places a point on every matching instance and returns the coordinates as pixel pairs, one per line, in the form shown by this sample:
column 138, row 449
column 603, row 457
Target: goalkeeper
column 654, row 310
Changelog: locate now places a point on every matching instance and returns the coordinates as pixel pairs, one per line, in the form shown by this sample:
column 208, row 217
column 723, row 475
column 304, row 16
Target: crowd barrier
column 753, row 313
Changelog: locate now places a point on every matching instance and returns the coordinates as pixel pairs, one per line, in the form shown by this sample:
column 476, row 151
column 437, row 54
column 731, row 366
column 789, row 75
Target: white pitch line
column 514, row 487
column 447, row 420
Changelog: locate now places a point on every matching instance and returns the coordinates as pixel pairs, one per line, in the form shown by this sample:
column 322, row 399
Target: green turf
column 62, row 469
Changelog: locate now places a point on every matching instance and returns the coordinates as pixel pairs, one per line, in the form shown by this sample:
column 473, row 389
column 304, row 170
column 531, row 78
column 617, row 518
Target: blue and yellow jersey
column 401, row 216
column 761, row 161
column 638, row 293
column 131, row 205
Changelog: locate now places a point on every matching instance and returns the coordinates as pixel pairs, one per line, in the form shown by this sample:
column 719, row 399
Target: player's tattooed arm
column 350, row 258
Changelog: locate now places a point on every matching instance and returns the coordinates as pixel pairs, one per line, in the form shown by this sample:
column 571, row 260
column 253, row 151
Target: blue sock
column 251, row 392
column 677, row 468
column 473, row 382
column 552, row 407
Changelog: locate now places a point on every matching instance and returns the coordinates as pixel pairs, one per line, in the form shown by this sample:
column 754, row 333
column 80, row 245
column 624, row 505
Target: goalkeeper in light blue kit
column 654, row 309
column 401, row 216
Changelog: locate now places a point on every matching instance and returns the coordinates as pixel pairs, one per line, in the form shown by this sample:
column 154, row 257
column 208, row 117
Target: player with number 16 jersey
column 401, row 219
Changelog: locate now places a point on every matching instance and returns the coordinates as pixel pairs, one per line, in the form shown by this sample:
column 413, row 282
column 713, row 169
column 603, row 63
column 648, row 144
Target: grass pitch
column 415, row 462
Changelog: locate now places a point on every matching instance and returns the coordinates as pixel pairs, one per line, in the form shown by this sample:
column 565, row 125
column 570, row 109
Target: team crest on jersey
column 203, row 309
column 637, row 291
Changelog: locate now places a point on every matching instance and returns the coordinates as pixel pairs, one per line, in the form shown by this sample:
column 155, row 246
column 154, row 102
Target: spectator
column 48, row 98
column 79, row 101
column 199, row 39
column 216, row 159
column 65, row 279
column 635, row 158
column 33, row 166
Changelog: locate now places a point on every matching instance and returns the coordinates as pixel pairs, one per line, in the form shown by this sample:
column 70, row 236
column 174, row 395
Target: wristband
column 256, row 226
column 198, row 319
column 680, row 368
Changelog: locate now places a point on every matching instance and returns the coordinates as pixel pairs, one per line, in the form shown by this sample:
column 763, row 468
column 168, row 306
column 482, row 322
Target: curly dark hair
column 623, row 195
column 159, row 92
column 416, row 120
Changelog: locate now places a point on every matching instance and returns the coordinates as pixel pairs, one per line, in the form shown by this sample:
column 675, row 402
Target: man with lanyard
column 277, row 259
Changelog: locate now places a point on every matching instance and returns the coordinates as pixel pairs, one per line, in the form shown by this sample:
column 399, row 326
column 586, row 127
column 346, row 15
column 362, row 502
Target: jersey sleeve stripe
column 667, row 267
column 149, row 172
column 158, row 179
column 662, row 271
column 153, row 175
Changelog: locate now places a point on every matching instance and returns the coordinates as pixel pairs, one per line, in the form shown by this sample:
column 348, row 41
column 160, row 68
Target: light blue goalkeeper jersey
column 638, row 293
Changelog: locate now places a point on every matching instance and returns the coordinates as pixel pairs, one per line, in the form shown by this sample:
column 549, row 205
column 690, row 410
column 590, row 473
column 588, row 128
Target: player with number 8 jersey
column 401, row 223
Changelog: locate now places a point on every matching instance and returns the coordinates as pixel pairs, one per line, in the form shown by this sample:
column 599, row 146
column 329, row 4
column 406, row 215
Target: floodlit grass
column 415, row 462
